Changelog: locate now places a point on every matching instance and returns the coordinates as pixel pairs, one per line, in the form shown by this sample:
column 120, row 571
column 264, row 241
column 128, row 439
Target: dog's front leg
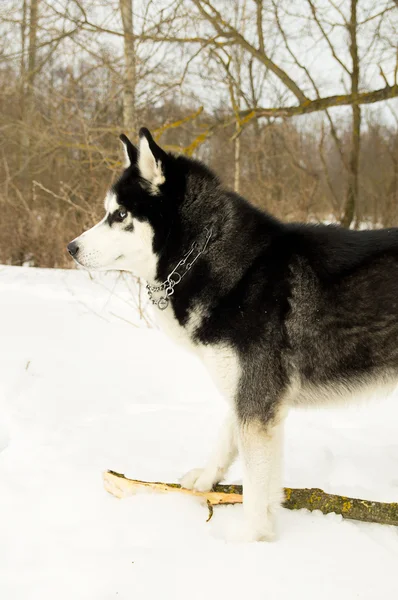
column 219, row 462
column 260, row 447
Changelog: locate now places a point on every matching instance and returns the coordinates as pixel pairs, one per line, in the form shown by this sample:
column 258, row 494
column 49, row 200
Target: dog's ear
column 130, row 151
column 151, row 161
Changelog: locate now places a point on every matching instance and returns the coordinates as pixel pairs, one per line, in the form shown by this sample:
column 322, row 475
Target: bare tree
column 198, row 73
column 225, row 30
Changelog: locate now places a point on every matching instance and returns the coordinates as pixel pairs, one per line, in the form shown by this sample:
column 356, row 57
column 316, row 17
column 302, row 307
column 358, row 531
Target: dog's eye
column 121, row 214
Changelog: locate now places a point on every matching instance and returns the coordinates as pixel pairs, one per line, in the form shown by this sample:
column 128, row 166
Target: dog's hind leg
column 260, row 447
column 219, row 462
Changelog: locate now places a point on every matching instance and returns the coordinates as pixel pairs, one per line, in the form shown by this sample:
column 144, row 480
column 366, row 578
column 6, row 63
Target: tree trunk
column 33, row 22
column 21, row 152
column 353, row 175
column 28, row 79
column 27, row 83
column 129, row 108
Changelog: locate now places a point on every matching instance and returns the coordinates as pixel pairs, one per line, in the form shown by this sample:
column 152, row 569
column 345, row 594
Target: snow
column 84, row 387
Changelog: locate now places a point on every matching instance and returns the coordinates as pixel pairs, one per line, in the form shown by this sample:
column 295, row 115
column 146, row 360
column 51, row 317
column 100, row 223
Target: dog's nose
column 73, row 248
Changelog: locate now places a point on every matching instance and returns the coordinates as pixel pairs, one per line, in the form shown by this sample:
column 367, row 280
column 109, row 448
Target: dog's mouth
column 90, row 264
column 82, row 265
column 90, row 258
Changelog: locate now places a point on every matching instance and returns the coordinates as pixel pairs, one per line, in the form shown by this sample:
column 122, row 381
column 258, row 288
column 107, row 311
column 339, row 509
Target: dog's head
column 140, row 208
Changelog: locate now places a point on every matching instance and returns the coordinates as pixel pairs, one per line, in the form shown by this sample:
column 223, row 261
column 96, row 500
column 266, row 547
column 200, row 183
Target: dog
column 281, row 314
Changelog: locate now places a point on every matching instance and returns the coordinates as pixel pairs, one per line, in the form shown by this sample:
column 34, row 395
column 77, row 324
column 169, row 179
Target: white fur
column 219, row 462
column 224, row 367
column 260, row 448
column 332, row 395
column 127, row 161
column 106, row 248
column 182, row 336
column 220, row 360
column 110, row 203
column 150, row 168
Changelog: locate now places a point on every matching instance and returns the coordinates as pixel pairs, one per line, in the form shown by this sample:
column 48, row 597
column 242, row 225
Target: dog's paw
column 262, row 535
column 243, row 533
column 199, row 480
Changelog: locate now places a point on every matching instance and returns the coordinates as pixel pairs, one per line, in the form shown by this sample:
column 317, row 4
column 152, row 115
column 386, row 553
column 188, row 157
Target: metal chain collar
column 175, row 277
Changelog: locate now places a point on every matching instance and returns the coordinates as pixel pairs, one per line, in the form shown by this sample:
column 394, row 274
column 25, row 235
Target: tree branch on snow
column 312, row 498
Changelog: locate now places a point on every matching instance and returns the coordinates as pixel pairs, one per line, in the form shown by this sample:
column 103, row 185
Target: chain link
column 174, row 278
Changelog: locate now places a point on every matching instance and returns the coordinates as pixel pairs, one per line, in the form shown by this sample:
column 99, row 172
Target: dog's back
column 343, row 319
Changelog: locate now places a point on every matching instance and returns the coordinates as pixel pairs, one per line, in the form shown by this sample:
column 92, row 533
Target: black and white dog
column 280, row 314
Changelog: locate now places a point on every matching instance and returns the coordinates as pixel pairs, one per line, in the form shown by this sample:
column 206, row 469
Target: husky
column 281, row 314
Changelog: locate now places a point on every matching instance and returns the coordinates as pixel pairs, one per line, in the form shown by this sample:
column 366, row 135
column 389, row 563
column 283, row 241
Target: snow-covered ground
column 82, row 389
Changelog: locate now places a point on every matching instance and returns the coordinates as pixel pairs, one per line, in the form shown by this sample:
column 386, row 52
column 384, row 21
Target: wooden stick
column 312, row 499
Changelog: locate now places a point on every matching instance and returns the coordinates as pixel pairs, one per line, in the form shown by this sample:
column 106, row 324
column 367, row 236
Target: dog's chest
column 220, row 360
column 181, row 335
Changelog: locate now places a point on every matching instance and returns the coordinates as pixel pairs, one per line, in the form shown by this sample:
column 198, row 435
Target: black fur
column 317, row 305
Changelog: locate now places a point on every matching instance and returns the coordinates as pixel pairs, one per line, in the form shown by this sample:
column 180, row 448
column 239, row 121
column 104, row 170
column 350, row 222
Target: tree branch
column 225, row 29
column 312, row 499
column 326, row 37
column 323, row 103
column 259, row 20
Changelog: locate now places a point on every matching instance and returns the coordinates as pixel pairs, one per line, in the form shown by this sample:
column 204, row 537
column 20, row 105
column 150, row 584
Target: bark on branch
column 312, row 499
column 309, row 106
